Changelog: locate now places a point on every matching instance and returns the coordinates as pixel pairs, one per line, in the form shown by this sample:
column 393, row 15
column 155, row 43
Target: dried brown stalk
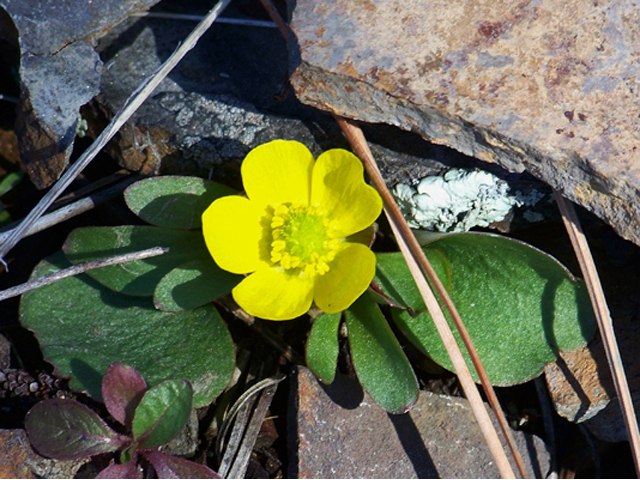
column 419, row 266
column 275, row 16
column 605, row 325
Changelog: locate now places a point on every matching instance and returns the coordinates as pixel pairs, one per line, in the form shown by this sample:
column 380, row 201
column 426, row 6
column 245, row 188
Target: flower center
column 302, row 238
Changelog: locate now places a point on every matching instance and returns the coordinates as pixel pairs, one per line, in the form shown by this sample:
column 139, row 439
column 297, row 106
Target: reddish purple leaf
column 121, row 470
column 67, row 430
column 167, row 466
column 122, row 389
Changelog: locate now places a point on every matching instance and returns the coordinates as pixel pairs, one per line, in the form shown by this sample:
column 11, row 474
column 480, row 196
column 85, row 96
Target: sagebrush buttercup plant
column 293, row 232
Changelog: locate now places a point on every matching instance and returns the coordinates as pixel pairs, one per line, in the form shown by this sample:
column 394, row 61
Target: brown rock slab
column 578, row 388
column 18, row 460
column 530, row 86
column 342, row 433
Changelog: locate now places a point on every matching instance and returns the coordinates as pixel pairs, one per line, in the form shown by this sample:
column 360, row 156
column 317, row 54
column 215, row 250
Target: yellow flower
column 292, row 234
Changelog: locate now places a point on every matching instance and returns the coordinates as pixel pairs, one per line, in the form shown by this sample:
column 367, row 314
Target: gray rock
column 59, row 72
column 224, row 99
column 342, row 433
column 215, row 107
column 530, row 86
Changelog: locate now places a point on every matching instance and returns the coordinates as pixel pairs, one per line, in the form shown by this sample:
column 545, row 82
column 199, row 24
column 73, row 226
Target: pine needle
column 605, row 325
column 419, row 267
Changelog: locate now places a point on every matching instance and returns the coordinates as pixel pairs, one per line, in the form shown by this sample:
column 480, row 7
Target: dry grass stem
column 70, row 210
column 244, row 419
column 133, row 103
column 275, row 16
column 419, row 266
column 605, row 325
column 78, row 269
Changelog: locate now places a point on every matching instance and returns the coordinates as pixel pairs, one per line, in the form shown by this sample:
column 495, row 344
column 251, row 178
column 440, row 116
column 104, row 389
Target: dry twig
column 605, row 325
column 418, row 264
column 78, row 269
column 71, row 210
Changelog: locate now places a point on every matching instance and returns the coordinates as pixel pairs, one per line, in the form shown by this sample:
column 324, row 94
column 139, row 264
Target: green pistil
column 302, row 238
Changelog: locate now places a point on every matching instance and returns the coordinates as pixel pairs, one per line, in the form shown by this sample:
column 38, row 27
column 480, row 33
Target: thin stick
column 415, row 256
column 78, row 269
column 459, row 364
column 72, row 210
column 139, row 95
column 275, row 16
column 605, row 324
column 197, row 18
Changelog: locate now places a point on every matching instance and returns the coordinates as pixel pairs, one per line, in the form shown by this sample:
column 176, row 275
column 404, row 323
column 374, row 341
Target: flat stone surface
column 342, row 433
column 529, row 85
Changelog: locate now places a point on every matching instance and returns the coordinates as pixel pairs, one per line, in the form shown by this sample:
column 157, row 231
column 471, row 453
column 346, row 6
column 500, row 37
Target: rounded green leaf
column 64, row 429
column 162, row 413
column 193, row 284
column 380, row 363
column 84, row 327
column 519, row 304
column 173, row 202
column 322, row 346
column 139, row 277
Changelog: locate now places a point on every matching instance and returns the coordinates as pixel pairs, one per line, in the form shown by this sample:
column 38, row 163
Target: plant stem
column 605, row 325
column 78, row 269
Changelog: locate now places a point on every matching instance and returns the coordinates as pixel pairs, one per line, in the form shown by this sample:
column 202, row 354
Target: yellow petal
column 338, row 186
column 278, row 172
column 351, row 273
column 234, row 236
column 274, row 294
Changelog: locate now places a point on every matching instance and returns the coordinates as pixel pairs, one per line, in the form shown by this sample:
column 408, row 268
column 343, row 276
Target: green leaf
column 64, row 429
column 10, row 181
column 192, row 285
column 84, row 327
column 162, row 413
column 322, row 346
column 380, row 363
column 519, row 304
column 5, row 217
column 139, row 277
column 173, row 202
